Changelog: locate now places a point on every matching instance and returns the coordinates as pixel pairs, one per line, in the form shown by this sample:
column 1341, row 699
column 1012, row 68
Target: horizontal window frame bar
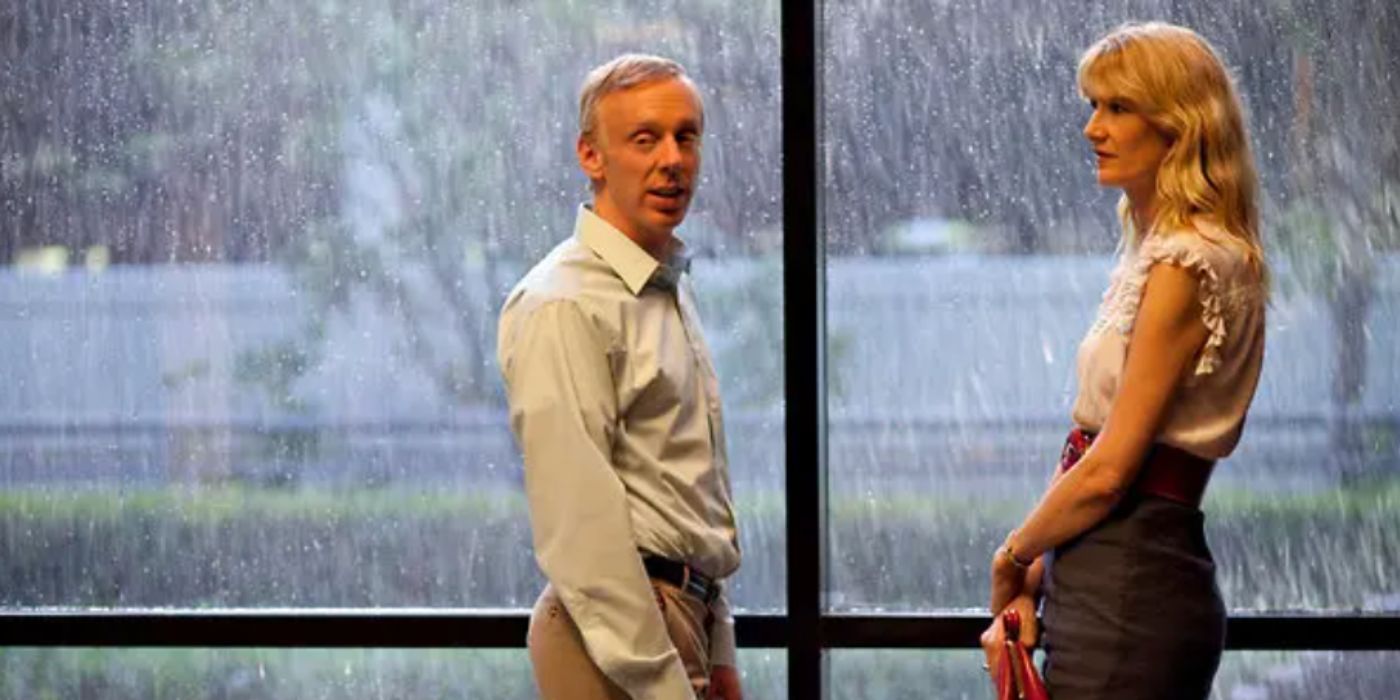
column 1245, row 631
column 483, row 422
column 446, row 628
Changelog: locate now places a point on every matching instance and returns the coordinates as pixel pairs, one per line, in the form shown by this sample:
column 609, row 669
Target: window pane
column 969, row 246
column 302, row 674
column 896, row 675
column 251, row 257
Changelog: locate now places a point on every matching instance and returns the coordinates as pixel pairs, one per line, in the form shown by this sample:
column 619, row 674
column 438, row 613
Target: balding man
column 615, row 405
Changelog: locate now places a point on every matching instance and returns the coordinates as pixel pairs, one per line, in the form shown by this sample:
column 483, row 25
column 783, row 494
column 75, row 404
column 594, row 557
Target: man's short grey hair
column 625, row 71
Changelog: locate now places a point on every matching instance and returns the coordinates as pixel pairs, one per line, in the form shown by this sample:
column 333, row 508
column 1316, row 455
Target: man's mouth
column 671, row 197
column 670, row 192
column 1103, row 154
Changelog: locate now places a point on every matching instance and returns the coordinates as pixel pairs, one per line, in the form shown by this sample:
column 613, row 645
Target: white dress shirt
column 615, row 404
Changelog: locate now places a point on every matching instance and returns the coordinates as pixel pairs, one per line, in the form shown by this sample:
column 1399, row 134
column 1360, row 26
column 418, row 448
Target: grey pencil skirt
column 1131, row 608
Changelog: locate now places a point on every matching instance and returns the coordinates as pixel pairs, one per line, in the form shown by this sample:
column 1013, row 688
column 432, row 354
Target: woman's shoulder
column 1203, row 247
column 1230, row 290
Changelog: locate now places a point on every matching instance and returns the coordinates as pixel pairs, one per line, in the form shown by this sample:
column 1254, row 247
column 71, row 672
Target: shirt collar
column 634, row 265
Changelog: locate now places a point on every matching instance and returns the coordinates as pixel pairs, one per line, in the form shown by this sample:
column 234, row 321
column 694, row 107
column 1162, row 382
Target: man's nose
column 669, row 153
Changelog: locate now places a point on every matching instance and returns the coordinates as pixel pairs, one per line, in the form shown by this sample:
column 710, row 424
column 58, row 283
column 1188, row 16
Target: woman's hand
column 1008, row 580
column 995, row 634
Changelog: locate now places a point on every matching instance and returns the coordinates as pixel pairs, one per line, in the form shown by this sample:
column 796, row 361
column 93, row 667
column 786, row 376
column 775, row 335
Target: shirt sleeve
column 563, row 409
column 1193, row 254
column 723, row 649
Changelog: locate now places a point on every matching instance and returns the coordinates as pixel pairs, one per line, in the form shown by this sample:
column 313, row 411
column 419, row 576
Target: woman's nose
column 1093, row 129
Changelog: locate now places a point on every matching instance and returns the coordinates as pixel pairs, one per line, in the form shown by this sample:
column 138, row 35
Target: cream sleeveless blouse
column 1207, row 414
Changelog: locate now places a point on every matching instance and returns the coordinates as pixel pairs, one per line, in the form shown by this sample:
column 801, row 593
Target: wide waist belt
column 1167, row 472
column 682, row 576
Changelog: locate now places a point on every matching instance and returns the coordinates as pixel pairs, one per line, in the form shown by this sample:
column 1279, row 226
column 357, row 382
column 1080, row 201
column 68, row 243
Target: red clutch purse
column 1016, row 677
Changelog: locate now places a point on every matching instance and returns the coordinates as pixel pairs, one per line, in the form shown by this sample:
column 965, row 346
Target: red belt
column 1167, row 472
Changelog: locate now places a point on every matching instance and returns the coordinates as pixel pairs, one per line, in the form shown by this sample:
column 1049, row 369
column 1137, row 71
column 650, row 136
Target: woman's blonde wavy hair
column 1175, row 79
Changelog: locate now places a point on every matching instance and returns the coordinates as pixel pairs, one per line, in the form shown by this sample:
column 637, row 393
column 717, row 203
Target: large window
column 298, row 674
column 251, row 256
column 908, row 675
column 255, row 253
column 968, row 246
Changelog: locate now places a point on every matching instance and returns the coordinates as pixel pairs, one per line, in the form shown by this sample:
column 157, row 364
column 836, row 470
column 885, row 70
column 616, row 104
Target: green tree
column 1343, row 200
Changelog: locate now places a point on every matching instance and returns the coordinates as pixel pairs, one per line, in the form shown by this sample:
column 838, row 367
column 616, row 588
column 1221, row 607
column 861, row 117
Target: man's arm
column 724, row 674
column 722, row 645
column 563, row 411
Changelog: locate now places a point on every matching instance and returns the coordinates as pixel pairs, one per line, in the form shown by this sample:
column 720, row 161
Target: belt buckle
column 1076, row 444
column 1067, row 454
column 700, row 586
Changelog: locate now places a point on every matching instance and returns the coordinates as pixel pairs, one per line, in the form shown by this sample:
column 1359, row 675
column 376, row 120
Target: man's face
column 644, row 157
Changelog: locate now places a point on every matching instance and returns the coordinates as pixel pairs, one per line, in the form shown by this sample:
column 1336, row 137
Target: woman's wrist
column 1011, row 553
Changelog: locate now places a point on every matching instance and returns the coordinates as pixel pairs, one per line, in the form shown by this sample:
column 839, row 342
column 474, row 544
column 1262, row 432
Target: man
column 615, row 405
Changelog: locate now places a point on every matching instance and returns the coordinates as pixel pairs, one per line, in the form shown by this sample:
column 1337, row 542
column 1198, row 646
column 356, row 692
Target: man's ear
column 590, row 159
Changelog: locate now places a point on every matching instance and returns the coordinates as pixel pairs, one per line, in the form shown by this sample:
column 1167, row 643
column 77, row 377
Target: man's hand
column 724, row 684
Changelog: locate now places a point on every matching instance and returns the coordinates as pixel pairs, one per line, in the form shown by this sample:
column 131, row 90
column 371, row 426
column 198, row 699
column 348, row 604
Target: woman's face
column 1128, row 148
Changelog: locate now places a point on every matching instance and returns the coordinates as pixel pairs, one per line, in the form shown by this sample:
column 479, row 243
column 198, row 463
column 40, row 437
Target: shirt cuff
column 674, row 683
column 723, row 649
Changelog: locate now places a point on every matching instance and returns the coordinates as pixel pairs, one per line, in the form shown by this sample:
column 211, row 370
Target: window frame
column 807, row 631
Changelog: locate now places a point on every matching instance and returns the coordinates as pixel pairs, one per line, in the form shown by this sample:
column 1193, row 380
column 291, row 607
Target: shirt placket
column 709, row 379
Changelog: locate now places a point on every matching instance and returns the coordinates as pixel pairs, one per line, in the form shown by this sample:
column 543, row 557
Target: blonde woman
column 1166, row 375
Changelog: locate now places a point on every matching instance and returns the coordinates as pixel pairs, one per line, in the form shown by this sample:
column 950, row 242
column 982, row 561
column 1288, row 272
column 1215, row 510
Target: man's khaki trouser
column 564, row 671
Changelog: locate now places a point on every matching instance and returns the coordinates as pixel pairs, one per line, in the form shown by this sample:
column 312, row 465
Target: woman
column 1166, row 375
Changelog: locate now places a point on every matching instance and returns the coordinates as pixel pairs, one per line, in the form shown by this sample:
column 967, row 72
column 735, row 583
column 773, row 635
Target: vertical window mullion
column 803, row 314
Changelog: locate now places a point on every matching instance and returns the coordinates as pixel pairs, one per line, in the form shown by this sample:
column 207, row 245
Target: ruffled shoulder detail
column 1187, row 251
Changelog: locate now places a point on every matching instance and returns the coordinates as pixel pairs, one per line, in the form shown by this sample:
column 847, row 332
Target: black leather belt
column 682, row 576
